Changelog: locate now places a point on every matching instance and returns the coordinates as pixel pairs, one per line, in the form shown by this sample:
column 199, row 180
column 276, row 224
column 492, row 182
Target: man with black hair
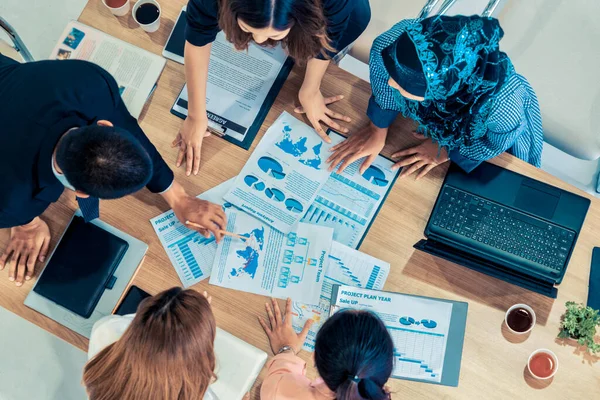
column 64, row 124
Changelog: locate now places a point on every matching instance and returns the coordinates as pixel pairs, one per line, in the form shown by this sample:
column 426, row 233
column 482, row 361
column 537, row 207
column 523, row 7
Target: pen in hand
column 235, row 235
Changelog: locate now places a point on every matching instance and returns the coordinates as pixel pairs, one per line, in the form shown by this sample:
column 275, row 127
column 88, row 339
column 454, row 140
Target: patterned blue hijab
column 463, row 69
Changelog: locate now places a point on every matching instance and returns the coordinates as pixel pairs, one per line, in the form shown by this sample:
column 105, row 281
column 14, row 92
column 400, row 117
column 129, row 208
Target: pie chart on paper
column 294, row 206
column 271, row 167
column 375, row 176
column 275, row 194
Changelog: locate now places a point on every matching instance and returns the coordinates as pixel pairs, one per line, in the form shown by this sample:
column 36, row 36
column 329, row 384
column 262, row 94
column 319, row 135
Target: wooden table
column 493, row 363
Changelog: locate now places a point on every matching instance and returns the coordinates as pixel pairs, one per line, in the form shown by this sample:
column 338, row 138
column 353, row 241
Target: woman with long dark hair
column 311, row 31
column 449, row 75
column 354, row 356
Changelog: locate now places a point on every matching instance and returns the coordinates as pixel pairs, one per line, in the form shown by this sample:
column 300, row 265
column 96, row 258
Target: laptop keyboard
column 503, row 228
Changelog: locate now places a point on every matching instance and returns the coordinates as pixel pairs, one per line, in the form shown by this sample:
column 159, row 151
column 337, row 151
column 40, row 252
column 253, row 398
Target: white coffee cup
column 554, row 361
column 119, row 11
column 525, row 307
column 152, row 27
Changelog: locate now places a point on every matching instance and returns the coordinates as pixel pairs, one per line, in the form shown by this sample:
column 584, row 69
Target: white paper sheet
column 346, row 267
column 269, row 262
column 283, row 175
column 418, row 326
column 349, row 202
column 238, row 84
column 191, row 254
column 135, row 70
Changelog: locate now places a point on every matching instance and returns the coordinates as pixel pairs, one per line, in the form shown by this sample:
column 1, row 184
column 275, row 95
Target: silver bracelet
column 285, row 348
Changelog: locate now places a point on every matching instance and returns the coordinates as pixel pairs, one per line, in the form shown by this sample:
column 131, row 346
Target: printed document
column 191, row 254
column 135, row 70
column 269, row 262
column 238, row 84
column 349, row 202
column 418, row 326
column 283, row 175
column 346, row 267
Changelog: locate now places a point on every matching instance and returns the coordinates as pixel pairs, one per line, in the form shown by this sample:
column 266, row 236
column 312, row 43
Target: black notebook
column 81, row 267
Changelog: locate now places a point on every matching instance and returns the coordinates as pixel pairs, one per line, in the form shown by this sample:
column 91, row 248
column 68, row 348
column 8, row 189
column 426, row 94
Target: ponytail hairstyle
column 308, row 26
column 354, row 355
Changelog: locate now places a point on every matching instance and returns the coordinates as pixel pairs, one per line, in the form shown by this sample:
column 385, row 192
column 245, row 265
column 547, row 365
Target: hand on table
column 422, row 157
column 202, row 212
column 280, row 331
column 314, row 105
column 368, row 142
column 27, row 244
column 189, row 139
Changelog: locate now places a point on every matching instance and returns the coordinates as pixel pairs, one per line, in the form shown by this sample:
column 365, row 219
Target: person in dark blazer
column 64, row 124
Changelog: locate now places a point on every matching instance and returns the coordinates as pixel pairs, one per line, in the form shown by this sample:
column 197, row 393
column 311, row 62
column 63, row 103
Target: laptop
column 506, row 225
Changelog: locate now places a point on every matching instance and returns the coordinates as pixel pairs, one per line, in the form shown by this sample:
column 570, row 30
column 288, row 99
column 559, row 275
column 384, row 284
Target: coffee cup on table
column 542, row 364
column 147, row 14
column 520, row 319
column 117, row 7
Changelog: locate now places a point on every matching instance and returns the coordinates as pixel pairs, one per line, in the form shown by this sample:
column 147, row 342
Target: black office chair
column 18, row 51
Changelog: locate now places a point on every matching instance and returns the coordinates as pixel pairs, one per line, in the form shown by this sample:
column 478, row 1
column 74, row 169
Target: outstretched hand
column 368, row 142
column 421, row 158
column 28, row 244
column 280, row 331
column 314, row 105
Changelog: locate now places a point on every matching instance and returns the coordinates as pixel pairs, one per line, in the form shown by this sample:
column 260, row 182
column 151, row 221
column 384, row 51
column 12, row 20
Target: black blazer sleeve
column 202, row 22
column 337, row 14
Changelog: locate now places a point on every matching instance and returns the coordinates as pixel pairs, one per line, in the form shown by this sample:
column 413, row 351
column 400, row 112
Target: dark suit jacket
column 39, row 102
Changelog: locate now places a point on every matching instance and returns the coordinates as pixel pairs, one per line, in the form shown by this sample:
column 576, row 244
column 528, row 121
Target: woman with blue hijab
column 447, row 74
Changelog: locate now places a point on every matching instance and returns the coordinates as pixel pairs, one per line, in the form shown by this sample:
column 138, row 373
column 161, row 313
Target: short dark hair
column 354, row 354
column 103, row 161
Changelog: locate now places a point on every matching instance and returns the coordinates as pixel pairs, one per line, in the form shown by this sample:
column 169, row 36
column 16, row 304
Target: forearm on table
column 315, row 70
column 196, row 75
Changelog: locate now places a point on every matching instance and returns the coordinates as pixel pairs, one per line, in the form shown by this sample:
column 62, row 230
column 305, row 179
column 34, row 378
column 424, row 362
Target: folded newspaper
column 136, row 70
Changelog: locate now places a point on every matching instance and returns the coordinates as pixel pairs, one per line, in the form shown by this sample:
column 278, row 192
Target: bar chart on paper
column 419, row 354
column 193, row 256
column 346, row 267
column 349, row 201
column 418, row 326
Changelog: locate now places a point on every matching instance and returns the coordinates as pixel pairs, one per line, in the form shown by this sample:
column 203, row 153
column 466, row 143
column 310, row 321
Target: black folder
column 82, row 267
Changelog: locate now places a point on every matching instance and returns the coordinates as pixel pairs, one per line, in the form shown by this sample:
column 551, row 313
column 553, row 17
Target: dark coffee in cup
column 519, row 319
column 147, row 13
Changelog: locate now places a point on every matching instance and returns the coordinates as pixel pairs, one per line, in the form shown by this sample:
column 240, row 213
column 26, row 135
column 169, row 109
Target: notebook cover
column 81, row 267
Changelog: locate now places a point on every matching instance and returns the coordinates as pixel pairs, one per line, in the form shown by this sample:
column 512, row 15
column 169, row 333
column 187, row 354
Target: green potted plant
column 579, row 322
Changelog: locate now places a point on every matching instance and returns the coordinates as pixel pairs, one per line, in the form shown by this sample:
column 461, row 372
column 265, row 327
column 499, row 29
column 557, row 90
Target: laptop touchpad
column 537, row 201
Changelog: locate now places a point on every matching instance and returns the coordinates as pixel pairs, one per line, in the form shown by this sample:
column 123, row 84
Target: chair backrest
column 554, row 44
column 18, row 51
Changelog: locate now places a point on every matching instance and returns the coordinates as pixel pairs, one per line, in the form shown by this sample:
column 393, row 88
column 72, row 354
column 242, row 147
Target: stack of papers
column 290, row 209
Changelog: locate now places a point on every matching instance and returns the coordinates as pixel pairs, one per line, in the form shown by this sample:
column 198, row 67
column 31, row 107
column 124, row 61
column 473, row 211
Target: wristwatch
column 285, row 348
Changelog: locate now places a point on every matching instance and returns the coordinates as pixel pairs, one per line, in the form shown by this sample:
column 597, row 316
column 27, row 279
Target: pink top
column 286, row 380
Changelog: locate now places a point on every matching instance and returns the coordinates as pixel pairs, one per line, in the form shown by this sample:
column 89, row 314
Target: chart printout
column 283, row 175
column 418, row 326
column 191, row 254
column 271, row 263
column 346, row 267
column 349, row 201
